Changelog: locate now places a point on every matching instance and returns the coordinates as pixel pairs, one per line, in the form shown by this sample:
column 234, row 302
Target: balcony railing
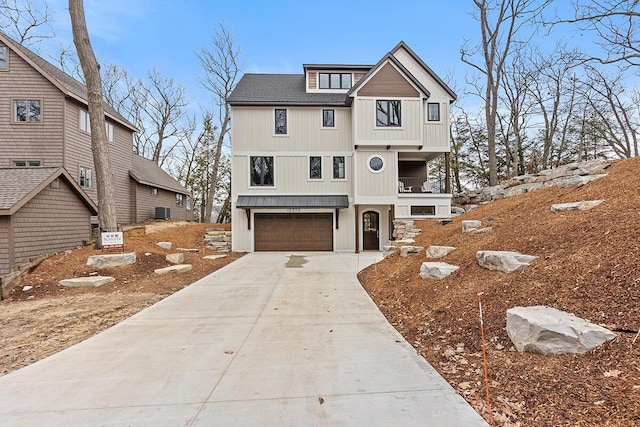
column 412, row 184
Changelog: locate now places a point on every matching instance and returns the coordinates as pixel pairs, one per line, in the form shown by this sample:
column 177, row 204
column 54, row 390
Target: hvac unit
column 163, row 213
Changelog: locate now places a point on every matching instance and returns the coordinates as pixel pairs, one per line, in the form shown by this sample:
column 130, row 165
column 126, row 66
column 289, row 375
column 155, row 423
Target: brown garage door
column 293, row 232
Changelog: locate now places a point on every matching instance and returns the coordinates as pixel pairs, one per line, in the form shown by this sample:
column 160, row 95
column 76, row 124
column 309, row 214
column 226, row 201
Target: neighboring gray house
column 44, row 126
column 327, row 159
column 32, row 203
column 153, row 188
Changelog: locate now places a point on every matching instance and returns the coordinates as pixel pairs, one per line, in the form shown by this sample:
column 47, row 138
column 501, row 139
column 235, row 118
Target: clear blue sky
column 274, row 36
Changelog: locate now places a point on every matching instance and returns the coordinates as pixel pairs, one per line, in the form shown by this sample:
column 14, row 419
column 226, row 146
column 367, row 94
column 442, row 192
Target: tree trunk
column 216, row 164
column 99, row 147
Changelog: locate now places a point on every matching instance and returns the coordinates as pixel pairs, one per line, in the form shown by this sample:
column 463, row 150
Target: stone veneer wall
column 218, row 239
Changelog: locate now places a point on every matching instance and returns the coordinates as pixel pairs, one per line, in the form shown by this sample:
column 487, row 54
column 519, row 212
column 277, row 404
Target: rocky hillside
column 588, row 265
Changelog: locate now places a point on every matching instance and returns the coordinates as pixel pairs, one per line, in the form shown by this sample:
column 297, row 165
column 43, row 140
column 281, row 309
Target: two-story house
column 44, row 123
column 327, row 159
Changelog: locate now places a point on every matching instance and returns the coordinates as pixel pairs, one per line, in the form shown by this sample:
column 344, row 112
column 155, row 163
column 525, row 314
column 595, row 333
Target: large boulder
column 111, row 260
column 439, row 251
column 505, row 261
column 175, row 258
column 405, row 251
column 164, row 245
column 436, row 270
column 470, row 225
column 549, row 331
column 573, row 206
column 179, row 268
column 79, row 282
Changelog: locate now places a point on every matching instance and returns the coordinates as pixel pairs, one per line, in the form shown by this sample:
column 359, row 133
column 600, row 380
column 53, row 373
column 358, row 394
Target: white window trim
column 90, row 175
column 384, row 163
column 109, row 130
column 321, row 169
column 84, row 123
column 261, row 187
column 375, row 114
column 346, row 176
column 281, row 135
column 27, row 100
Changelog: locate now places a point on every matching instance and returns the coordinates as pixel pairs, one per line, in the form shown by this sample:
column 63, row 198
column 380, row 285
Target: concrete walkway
column 270, row 340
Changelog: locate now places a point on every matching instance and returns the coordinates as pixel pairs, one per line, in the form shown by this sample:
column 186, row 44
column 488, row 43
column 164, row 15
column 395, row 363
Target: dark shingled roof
column 67, row 84
column 280, row 89
column 146, row 172
column 19, row 185
column 277, row 202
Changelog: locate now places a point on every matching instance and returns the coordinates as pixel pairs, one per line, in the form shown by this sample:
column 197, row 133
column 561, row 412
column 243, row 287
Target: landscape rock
column 483, row 230
column 176, row 258
column 580, row 206
column 111, row 260
column 574, row 181
column 179, row 268
column 214, row 256
column 549, row 331
column 164, row 245
column 79, row 282
column 456, row 210
column 470, row 225
column 405, row 251
column 506, row 261
column 439, row 251
column 388, row 250
column 188, row 249
column 436, row 270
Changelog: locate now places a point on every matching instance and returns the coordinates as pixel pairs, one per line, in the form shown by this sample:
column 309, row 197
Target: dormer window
column 335, row 80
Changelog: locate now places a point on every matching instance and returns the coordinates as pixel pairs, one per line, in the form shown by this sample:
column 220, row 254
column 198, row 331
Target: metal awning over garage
column 290, row 202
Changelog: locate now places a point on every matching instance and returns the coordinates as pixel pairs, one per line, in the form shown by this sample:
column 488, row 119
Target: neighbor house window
column 338, row 167
column 86, row 178
column 433, row 112
column 328, row 118
column 85, row 123
column 315, row 167
column 281, row 121
column 26, row 163
column 387, row 113
column 179, row 200
column 27, row 110
column 261, row 171
column 188, row 206
column 154, row 191
column 335, row 81
column 4, row 64
column 109, row 130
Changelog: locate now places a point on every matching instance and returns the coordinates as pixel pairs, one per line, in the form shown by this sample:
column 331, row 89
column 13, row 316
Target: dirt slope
column 48, row 318
column 587, row 265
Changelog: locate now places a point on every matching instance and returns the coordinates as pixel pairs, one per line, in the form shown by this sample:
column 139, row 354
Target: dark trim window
column 26, row 163
column 179, row 199
column 261, row 171
column 339, row 171
column 328, row 118
column 86, row 177
column 4, row 63
column 281, row 121
column 27, row 110
column 388, row 113
column 423, row 210
column 334, row 81
column 315, row 167
column 433, row 112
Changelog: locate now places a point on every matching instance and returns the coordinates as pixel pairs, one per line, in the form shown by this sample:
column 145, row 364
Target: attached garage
column 304, row 231
column 293, row 232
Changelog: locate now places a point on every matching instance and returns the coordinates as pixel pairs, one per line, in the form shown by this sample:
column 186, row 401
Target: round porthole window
column 376, row 164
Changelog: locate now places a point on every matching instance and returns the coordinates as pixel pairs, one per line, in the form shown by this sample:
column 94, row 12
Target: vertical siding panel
column 376, row 184
column 410, row 119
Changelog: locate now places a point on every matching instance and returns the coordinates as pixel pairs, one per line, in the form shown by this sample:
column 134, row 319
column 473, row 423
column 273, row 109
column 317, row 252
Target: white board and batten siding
column 410, row 133
column 304, row 130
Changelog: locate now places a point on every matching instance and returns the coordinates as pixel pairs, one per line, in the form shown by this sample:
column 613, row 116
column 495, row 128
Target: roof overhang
column 338, row 201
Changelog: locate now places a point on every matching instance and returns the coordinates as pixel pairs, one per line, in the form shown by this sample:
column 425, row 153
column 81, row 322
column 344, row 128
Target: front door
column 371, row 231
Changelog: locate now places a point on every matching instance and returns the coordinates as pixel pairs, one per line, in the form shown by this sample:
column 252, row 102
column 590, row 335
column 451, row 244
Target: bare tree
column 500, row 21
column 91, row 69
column 24, row 21
column 615, row 22
column 221, row 70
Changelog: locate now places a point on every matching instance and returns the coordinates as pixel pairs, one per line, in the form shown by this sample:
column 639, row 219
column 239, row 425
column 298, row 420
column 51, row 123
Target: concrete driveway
column 273, row 339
